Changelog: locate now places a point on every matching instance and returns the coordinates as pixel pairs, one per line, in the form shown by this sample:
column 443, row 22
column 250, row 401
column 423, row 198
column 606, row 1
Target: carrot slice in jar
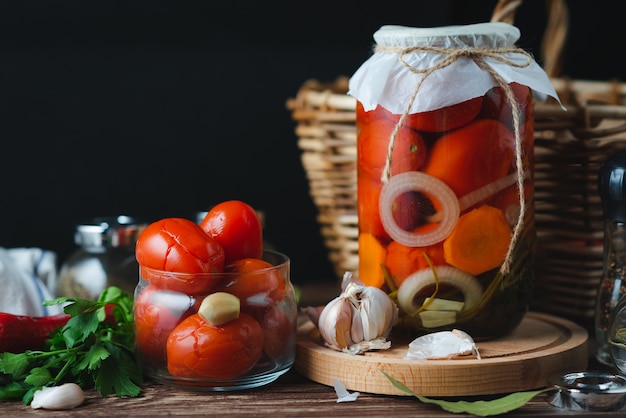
column 479, row 242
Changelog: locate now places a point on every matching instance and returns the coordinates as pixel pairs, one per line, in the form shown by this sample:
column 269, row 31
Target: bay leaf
column 492, row 407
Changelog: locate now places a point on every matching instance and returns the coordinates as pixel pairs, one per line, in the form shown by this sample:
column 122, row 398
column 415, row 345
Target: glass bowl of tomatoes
column 209, row 321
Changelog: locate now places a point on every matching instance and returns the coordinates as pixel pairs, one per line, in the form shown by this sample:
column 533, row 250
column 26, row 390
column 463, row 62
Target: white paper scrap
column 342, row 393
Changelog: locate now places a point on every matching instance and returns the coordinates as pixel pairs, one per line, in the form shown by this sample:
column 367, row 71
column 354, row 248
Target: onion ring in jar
column 470, row 286
column 418, row 181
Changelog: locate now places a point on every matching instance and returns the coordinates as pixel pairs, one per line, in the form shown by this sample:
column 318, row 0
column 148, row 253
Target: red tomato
column 402, row 261
column 157, row 312
column 446, row 118
column 459, row 158
column 412, row 209
column 256, row 283
column 379, row 112
column 279, row 329
column 496, row 106
column 197, row 350
column 368, row 195
column 179, row 245
column 409, row 150
column 237, row 227
column 193, row 284
column 439, row 120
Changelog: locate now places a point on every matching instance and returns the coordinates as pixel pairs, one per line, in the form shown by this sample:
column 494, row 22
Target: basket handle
column 555, row 35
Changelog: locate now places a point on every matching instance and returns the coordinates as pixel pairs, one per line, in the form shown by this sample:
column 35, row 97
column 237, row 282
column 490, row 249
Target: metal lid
column 612, row 186
column 114, row 231
column 589, row 391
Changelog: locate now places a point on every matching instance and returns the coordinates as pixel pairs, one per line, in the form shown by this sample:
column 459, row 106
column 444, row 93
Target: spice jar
column 612, row 188
column 105, row 257
column 444, row 174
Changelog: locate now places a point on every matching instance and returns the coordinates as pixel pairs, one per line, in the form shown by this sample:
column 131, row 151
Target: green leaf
column 123, row 378
column 79, row 328
column 15, row 365
column 105, row 380
column 111, row 294
column 80, row 306
column 124, row 339
column 38, row 376
column 95, row 355
column 13, row 390
column 29, row 395
column 480, row 408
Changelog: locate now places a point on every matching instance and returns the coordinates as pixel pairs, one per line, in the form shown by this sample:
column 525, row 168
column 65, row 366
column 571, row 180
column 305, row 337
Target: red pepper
column 19, row 333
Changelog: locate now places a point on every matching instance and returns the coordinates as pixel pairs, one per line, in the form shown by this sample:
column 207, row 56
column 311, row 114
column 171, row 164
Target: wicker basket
column 326, row 129
column 569, row 148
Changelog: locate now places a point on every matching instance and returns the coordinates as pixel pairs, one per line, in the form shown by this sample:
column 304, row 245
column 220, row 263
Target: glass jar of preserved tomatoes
column 445, row 166
column 217, row 331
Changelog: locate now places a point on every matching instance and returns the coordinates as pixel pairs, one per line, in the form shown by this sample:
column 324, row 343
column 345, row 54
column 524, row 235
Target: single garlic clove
column 66, row 396
column 219, row 308
column 442, row 344
column 335, row 323
column 357, row 330
column 373, row 318
column 379, row 313
column 387, row 308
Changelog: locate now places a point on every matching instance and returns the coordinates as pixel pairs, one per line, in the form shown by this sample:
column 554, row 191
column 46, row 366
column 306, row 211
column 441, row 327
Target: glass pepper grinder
column 612, row 187
column 105, row 257
column 616, row 336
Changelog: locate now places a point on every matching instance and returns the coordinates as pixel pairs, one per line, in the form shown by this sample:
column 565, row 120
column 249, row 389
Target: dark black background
column 163, row 108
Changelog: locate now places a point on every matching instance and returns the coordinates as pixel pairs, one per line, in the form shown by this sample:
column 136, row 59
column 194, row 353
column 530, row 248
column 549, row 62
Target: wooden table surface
column 290, row 395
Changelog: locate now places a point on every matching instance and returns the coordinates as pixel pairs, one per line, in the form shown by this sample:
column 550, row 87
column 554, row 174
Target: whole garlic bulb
column 358, row 320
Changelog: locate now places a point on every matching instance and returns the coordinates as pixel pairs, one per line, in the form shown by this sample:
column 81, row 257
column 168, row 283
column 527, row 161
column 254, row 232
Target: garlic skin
column 66, row 396
column 358, row 320
column 442, row 345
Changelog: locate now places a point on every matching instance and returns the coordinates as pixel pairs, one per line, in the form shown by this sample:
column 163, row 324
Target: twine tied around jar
column 477, row 55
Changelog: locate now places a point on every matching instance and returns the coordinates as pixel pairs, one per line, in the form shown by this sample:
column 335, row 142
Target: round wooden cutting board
column 524, row 360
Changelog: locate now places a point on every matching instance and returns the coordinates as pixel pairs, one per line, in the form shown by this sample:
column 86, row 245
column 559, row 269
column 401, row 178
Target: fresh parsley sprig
column 95, row 349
